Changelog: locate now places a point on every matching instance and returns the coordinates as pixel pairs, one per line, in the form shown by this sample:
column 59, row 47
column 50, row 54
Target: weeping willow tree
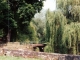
column 70, row 8
column 62, row 37
column 50, row 31
column 71, row 37
column 54, row 29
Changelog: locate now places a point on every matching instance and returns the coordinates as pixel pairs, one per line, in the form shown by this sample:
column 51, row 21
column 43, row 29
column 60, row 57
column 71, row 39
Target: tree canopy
column 63, row 27
column 70, row 8
column 15, row 16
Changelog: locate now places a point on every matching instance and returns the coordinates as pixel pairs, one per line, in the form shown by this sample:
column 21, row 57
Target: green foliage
column 63, row 37
column 63, row 26
column 70, row 8
column 71, row 36
column 54, row 30
column 16, row 15
column 48, row 48
column 30, row 35
column 39, row 29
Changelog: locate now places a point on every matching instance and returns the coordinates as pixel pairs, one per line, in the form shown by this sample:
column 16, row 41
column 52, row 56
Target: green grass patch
column 16, row 58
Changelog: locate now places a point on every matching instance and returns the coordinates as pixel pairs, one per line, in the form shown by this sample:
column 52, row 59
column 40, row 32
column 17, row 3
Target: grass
column 16, row 58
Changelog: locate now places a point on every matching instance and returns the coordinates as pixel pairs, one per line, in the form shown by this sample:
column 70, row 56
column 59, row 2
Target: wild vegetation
column 63, row 27
column 15, row 18
column 60, row 29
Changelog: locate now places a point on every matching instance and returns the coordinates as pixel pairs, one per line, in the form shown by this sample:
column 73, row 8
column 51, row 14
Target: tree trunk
column 8, row 35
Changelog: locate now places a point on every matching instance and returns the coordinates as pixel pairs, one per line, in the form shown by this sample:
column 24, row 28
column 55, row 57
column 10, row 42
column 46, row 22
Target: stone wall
column 42, row 55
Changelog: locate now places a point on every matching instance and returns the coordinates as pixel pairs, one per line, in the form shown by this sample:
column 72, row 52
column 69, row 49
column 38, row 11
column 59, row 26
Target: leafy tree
column 16, row 16
column 71, row 37
column 70, row 8
column 63, row 37
column 5, row 22
column 31, row 35
column 54, row 29
column 63, row 26
column 40, row 29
